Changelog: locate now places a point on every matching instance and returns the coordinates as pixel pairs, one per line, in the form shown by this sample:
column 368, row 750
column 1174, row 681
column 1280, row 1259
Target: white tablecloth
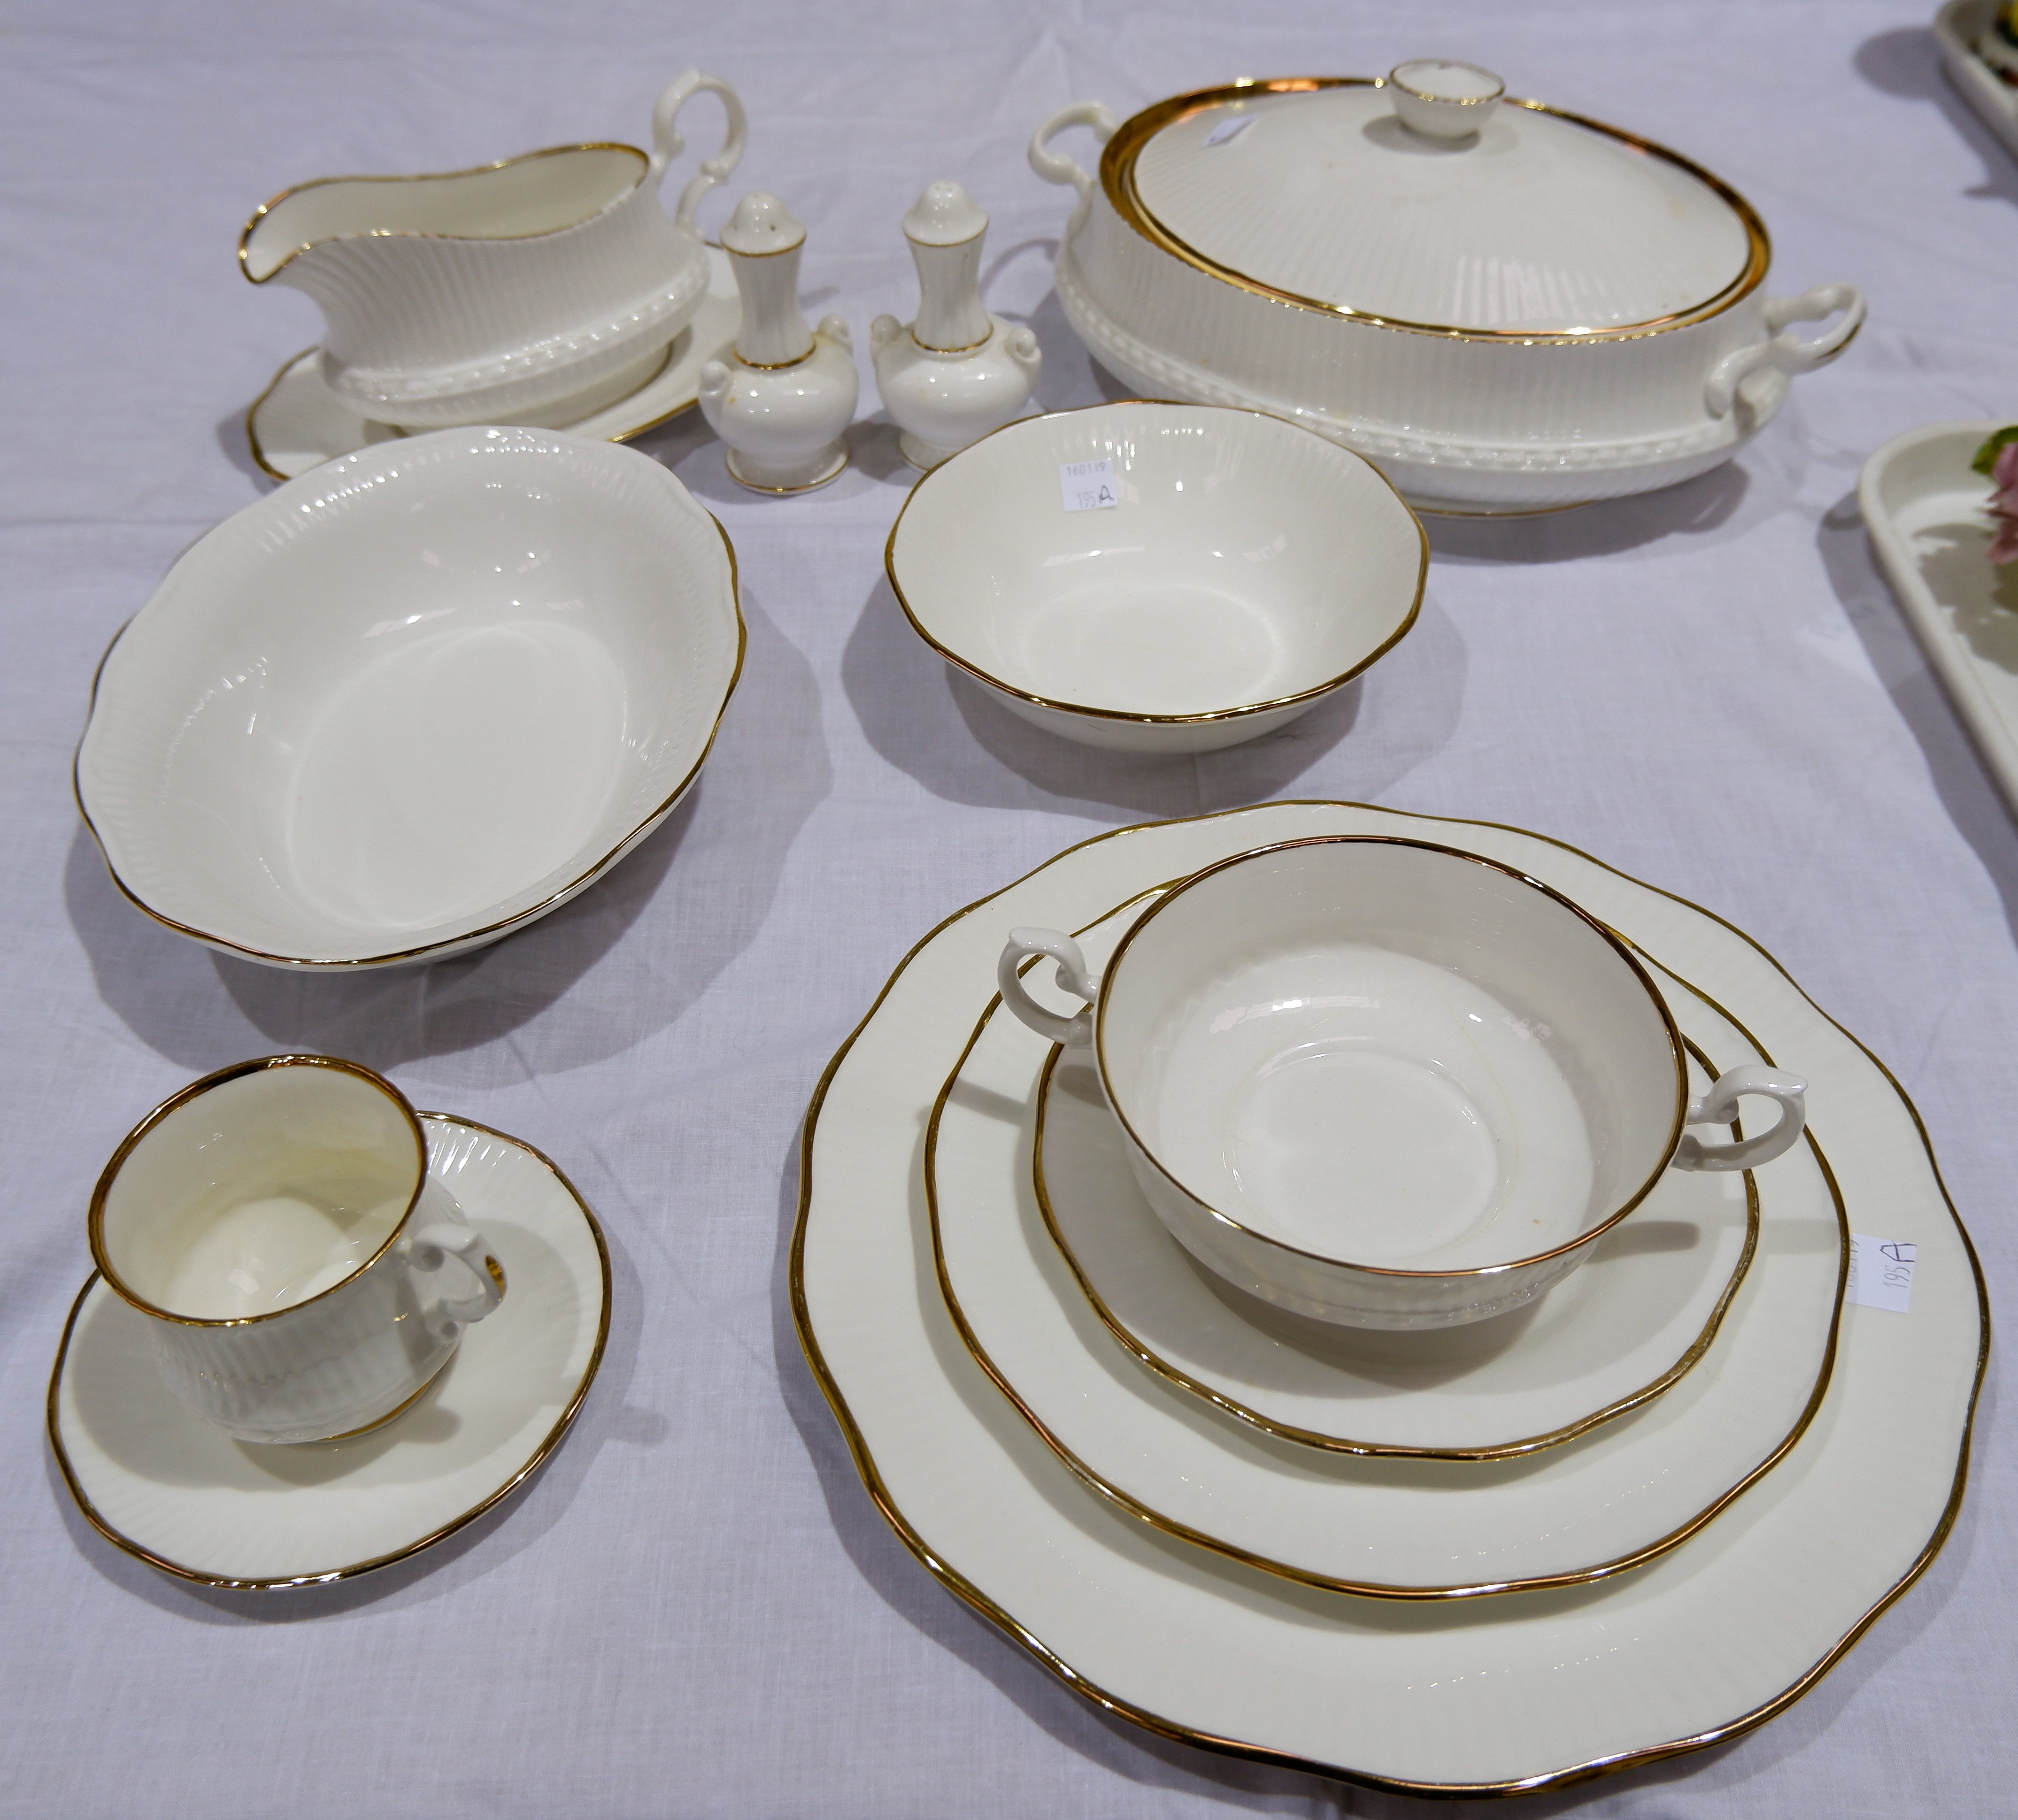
column 695, row 1609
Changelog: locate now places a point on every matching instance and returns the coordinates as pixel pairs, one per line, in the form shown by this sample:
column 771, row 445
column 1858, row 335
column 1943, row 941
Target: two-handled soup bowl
column 1387, row 1083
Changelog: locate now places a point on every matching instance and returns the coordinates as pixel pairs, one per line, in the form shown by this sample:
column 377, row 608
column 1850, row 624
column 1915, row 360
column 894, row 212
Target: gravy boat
column 533, row 291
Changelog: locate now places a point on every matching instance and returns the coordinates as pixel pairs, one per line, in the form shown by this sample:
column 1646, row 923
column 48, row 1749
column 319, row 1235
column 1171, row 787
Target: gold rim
column 1136, row 1348
column 548, row 1444
column 475, row 937
column 273, row 202
column 95, row 1220
column 1247, row 708
column 964, row 1589
column 1156, row 1520
column 1393, row 79
column 1117, row 182
column 828, row 479
column 1616, row 945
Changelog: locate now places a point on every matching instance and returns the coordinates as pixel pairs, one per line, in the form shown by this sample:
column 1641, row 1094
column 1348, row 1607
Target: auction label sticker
column 1881, row 1272
column 1088, row 486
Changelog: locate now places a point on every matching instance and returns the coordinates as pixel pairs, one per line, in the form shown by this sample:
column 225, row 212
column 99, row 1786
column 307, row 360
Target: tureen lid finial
column 1443, row 100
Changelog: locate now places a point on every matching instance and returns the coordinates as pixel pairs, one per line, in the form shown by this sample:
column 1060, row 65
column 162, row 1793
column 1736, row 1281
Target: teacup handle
column 667, row 144
column 1717, row 1107
column 1076, row 1030
column 432, row 1247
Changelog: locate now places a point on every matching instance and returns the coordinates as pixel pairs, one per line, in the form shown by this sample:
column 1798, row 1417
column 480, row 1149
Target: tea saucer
column 1399, row 1528
column 157, row 1481
column 1614, row 1335
column 1502, row 1696
column 298, row 423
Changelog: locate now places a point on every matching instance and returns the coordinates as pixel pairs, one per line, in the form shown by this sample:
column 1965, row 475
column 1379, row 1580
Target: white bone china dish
column 1623, row 1330
column 1385, row 1083
column 300, row 1273
column 487, row 295
column 1232, row 572
column 414, row 699
column 298, row 423
column 1512, row 1697
column 1398, row 1528
column 1510, row 308
column 159, row 1483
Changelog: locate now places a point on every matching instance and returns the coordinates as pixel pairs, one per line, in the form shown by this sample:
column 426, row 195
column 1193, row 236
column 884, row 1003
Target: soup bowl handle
column 1075, row 1031
column 667, row 144
column 1717, row 1107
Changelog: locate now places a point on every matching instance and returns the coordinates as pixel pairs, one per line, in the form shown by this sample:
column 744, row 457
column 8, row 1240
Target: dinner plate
column 1611, row 1336
column 1509, row 1694
column 1421, row 1528
column 158, row 1481
column 298, row 423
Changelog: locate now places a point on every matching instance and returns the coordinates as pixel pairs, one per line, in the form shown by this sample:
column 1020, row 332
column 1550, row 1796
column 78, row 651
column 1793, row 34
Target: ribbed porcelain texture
column 1534, row 223
column 336, row 1365
column 161, row 1482
column 1494, row 423
column 1551, row 387
column 427, row 330
column 499, row 655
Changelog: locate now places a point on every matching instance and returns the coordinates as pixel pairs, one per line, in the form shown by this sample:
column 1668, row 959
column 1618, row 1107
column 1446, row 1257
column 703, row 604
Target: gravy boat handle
column 1075, row 1031
column 667, row 144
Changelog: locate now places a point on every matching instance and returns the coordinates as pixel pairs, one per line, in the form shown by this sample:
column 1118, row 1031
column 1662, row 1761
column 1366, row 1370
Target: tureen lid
column 1425, row 202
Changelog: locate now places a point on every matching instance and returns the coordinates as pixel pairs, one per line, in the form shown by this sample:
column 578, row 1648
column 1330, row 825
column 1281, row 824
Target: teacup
column 534, row 290
column 1388, row 1083
column 303, row 1276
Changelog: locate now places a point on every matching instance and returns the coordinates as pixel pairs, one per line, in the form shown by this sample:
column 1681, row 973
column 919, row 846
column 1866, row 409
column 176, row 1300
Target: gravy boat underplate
column 1385, row 1083
column 484, row 295
column 414, row 699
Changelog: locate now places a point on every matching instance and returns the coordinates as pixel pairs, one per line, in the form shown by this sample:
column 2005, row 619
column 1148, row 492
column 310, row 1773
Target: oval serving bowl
column 413, row 700
column 1247, row 570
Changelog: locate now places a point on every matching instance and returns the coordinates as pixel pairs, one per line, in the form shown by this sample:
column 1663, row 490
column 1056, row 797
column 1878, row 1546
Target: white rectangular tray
column 1928, row 516
column 1957, row 26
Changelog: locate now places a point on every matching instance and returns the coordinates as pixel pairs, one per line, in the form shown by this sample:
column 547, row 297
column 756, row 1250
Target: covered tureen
column 1507, row 307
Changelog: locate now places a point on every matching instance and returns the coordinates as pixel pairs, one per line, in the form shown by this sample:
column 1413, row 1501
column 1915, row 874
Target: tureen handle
column 1789, row 353
column 1721, row 1101
column 1055, row 167
column 667, row 144
column 1074, row 1031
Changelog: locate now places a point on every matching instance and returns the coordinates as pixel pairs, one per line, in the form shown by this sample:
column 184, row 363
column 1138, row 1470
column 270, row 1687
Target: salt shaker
column 956, row 372
column 784, row 400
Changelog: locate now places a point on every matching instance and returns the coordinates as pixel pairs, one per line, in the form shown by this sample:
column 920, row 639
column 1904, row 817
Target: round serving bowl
column 414, row 699
column 1387, row 1083
column 1241, row 571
